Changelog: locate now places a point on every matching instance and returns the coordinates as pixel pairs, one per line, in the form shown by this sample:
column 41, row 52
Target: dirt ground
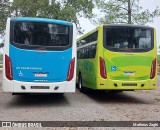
column 93, row 106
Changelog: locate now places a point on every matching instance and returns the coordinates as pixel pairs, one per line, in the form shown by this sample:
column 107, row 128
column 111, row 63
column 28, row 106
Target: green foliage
column 29, row 8
column 118, row 11
column 68, row 10
column 4, row 13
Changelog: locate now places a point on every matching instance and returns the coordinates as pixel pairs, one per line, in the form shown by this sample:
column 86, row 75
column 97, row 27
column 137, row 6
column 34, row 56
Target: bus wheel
column 80, row 86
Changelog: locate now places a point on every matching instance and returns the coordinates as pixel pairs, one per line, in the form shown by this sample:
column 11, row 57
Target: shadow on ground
column 42, row 100
column 116, row 97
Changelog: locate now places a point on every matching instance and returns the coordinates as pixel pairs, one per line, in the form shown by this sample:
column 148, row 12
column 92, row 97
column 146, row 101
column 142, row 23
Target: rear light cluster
column 71, row 70
column 153, row 69
column 8, row 68
column 102, row 68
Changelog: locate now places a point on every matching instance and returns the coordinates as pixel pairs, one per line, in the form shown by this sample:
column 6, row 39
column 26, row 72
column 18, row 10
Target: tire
column 80, row 86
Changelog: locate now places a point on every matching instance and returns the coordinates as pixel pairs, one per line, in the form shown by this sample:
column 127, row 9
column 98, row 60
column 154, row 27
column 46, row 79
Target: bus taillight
column 8, row 68
column 102, row 68
column 71, row 70
column 153, row 69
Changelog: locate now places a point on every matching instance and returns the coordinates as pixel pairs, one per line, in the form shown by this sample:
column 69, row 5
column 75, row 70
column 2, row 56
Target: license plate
column 40, row 75
column 128, row 73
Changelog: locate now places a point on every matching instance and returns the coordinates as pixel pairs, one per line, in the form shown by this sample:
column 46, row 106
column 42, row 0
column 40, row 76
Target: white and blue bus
column 39, row 56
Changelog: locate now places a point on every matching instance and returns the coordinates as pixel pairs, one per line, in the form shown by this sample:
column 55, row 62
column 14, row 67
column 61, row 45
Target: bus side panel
column 71, row 85
column 7, row 85
column 88, row 68
column 88, row 72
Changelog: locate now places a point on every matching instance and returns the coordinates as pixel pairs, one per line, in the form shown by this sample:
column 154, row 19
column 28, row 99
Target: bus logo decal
column 20, row 74
column 113, row 68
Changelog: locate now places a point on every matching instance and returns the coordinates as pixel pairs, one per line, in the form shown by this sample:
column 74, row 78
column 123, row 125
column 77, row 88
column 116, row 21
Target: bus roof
column 27, row 19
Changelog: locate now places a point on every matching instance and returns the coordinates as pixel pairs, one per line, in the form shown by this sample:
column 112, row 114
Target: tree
column 68, row 10
column 4, row 13
column 125, row 11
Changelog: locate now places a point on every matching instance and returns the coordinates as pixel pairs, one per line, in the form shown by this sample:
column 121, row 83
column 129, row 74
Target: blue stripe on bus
column 29, row 19
column 25, row 63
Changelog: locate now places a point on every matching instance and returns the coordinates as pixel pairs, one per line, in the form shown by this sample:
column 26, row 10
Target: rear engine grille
column 39, row 87
column 129, row 84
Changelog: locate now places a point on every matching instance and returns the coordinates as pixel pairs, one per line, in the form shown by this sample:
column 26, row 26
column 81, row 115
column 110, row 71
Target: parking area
column 91, row 106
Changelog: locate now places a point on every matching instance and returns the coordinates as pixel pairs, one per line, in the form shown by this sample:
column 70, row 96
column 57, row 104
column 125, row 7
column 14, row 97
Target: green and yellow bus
column 117, row 57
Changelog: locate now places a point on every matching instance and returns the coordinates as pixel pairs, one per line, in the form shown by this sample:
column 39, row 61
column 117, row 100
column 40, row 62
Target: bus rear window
column 131, row 39
column 40, row 34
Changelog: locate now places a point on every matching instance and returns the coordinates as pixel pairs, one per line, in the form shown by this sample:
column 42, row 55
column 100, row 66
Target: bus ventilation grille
column 128, row 84
column 39, row 87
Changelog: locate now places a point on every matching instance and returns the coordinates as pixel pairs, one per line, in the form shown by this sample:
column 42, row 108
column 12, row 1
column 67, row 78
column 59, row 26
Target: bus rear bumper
column 28, row 87
column 126, row 85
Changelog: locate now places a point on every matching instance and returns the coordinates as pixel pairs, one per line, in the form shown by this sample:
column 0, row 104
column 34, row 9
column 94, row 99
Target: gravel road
column 93, row 106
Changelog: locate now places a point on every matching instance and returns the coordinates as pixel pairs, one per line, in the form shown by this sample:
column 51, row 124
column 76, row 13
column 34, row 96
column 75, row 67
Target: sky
column 146, row 4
